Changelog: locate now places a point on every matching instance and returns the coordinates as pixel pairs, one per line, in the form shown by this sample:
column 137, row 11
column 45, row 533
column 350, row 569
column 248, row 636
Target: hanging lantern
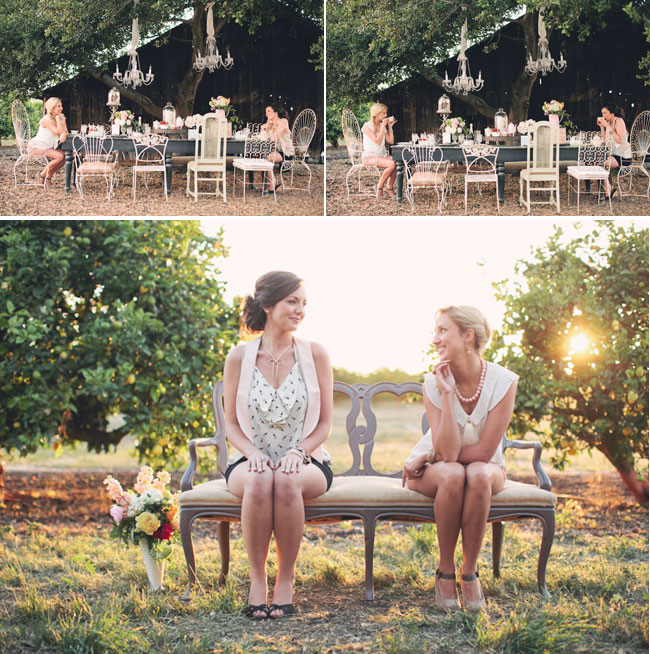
column 169, row 114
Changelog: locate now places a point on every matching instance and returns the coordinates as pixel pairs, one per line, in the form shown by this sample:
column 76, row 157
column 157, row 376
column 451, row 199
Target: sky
column 373, row 285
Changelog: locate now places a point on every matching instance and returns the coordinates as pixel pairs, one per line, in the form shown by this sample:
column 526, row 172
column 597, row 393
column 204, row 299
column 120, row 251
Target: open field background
column 69, row 588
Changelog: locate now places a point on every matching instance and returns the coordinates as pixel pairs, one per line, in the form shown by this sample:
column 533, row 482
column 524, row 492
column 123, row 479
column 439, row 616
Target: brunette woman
column 277, row 129
column 377, row 132
column 612, row 127
column 459, row 462
column 51, row 133
column 278, row 408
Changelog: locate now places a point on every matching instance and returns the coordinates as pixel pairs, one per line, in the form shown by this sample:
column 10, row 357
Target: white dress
column 372, row 149
column 44, row 139
column 496, row 384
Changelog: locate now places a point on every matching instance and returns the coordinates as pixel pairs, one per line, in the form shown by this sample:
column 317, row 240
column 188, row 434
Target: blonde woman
column 278, row 409
column 377, row 132
column 52, row 131
column 459, row 461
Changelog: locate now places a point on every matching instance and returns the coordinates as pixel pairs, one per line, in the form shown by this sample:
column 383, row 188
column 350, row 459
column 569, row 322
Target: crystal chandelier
column 464, row 82
column 212, row 59
column 544, row 62
column 133, row 76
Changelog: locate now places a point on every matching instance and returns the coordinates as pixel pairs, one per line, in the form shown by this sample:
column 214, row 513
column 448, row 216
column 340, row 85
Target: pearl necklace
column 275, row 361
column 479, row 387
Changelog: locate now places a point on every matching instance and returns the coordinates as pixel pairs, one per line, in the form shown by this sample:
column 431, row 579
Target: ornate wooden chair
column 542, row 172
column 209, row 157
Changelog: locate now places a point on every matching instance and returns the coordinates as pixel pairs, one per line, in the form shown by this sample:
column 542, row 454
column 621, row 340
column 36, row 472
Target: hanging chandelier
column 464, row 82
column 133, row 76
column 212, row 60
column 544, row 62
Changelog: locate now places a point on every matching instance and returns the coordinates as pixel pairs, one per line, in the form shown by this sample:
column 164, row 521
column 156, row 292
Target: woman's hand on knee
column 290, row 462
column 259, row 463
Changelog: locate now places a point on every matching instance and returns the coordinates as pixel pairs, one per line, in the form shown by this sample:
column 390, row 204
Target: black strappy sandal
column 252, row 609
column 287, row 609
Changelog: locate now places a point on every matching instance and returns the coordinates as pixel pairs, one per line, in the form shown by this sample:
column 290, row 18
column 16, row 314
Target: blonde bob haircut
column 467, row 317
column 50, row 103
column 375, row 110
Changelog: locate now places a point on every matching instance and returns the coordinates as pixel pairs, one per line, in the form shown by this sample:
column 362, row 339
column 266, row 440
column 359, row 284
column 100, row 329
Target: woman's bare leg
column 445, row 482
column 389, row 169
column 290, row 490
column 482, row 480
column 256, row 491
column 611, row 164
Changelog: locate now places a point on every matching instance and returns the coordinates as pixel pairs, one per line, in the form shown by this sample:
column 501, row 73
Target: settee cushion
column 370, row 491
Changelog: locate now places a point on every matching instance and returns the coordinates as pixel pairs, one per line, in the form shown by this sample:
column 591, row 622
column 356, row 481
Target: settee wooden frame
column 361, row 443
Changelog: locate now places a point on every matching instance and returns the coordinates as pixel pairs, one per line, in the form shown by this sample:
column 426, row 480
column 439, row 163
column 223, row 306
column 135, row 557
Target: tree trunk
column 472, row 100
column 523, row 84
column 638, row 488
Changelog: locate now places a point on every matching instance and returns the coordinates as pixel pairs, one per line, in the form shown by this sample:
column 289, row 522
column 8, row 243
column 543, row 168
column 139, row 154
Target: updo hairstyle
column 50, row 103
column 467, row 317
column 375, row 110
column 269, row 290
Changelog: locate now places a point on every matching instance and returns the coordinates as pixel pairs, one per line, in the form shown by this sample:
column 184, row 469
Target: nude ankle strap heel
column 443, row 604
column 473, row 605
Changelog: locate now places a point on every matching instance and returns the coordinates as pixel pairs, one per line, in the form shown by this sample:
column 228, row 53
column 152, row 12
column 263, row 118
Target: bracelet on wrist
column 301, row 453
column 431, row 456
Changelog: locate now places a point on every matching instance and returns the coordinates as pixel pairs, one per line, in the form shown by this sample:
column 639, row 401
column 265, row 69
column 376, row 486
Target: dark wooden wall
column 271, row 66
column 603, row 69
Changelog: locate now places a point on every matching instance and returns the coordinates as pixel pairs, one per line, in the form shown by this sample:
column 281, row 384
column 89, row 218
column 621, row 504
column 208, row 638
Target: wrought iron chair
column 302, row 132
column 640, row 145
column 354, row 145
column 150, row 152
column 257, row 149
column 481, row 166
column 209, row 156
column 591, row 165
column 94, row 157
column 20, row 120
column 542, row 165
column 425, row 169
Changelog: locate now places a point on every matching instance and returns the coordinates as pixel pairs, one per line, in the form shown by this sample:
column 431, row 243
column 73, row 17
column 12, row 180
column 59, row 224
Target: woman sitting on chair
column 376, row 133
column 459, row 461
column 51, row 133
column 278, row 409
column 277, row 129
column 613, row 127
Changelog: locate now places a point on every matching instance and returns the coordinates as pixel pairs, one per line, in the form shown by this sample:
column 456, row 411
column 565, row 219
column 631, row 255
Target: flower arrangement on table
column 193, row 121
column 221, row 103
column 556, row 108
column 124, row 119
column 148, row 513
column 553, row 107
column 456, row 127
column 525, row 125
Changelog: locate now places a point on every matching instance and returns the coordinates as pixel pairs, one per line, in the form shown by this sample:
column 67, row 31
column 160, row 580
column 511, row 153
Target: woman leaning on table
column 612, row 126
column 459, row 462
column 377, row 132
column 52, row 131
column 278, row 408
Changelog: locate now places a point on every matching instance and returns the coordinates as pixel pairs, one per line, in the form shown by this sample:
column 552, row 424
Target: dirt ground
column 478, row 205
column 54, row 201
column 76, row 499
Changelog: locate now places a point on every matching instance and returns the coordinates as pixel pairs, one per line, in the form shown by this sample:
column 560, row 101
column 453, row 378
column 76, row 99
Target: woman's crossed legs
column 388, row 176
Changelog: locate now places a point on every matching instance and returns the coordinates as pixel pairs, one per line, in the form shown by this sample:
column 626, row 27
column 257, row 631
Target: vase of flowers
column 146, row 516
column 555, row 111
column 221, row 106
column 125, row 119
column 456, row 128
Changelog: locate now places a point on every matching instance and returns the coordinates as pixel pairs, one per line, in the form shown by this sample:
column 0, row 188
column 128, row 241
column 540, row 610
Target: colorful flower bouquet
column 147, row 514
column 124, row 119
column 553, row 107
column 222, row 104
column 456, row 127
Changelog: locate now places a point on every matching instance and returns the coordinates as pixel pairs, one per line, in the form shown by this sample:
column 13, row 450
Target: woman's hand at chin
column 444, row 377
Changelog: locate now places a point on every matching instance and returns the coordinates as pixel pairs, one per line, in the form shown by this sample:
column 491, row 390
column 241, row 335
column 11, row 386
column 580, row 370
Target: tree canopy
column 576, row 332
column 110, row 317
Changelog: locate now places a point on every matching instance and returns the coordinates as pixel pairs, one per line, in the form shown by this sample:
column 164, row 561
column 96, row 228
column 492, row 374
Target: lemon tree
column 100, row 319
column 576, row 331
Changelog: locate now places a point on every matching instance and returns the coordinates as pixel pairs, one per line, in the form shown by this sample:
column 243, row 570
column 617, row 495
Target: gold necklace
column 275, row 361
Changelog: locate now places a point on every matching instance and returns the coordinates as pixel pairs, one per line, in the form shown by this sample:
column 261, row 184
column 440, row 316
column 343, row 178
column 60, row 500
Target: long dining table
column 454, row 154
column 181, row 147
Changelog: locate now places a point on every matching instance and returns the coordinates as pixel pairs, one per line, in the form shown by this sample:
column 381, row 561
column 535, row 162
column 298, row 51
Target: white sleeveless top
column 496, row 384
column 622, row 149
column 284, row 141
column 370, row 148
column 44, row 139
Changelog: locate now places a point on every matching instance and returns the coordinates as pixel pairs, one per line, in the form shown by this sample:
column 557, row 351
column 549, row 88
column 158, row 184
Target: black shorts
column 621, row 161
column 325, row 469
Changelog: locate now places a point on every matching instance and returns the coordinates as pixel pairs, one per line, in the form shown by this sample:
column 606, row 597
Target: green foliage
column 110, row 317
column 639, row 11
column 381, row 374
column 34, row 111
column 576, row 332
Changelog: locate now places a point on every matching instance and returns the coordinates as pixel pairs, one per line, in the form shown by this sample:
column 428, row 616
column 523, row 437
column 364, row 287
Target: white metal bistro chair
column 302, row 132
column 425, row 169
column 150, row 152
column 638, row 167
column 354, row 144
column 257, row 149
column 209, row 165
column 94, row 157
column 592, row 156
column 32, row 163
column 481, row 166
column 542, row 172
